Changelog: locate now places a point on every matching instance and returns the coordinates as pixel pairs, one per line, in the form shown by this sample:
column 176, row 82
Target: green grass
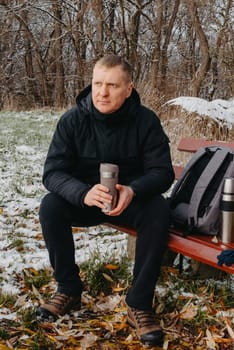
column 104, row 274
column 7, row 300
column 36, row 278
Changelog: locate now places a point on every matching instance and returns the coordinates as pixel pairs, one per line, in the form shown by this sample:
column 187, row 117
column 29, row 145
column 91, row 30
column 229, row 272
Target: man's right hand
column 97, row 196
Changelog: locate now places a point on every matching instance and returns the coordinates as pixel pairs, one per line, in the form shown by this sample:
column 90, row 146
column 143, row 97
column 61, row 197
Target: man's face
column 110, row 88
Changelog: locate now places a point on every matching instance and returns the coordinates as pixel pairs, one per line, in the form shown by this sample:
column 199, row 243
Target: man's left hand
column 126, row 195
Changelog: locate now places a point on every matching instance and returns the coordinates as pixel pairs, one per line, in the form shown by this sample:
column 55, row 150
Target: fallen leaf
column 118, row 289
column 165, row 344
column 230, row 330
column 111, row 267
column 210, row 341
column 88, row 341
column 109, row 303
column 4, row 347
column 189, row 311
column 107, row 277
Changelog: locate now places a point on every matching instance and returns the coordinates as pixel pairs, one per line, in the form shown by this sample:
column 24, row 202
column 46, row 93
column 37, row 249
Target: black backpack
column 195, row 198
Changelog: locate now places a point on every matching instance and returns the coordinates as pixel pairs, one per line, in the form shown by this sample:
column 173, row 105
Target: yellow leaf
column 4, row 347
column 120, row 309
column 111, row 267
column 34, row 271
column 36, row 292
column 52, row 338
column 28, row 330
column 118, row 289
column 107, row 277
column 120, row 326
column 1, row 210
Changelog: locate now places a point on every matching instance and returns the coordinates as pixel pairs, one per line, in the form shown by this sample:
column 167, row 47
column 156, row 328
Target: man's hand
column 126, row 195
column 98, row 195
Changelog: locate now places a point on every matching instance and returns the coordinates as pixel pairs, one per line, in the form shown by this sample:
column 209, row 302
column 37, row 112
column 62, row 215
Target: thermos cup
column 227, row 211
column 109, row 178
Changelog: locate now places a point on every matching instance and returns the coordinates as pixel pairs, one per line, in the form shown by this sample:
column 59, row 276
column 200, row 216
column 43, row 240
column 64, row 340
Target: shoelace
column 144, row 318
column 59, row 300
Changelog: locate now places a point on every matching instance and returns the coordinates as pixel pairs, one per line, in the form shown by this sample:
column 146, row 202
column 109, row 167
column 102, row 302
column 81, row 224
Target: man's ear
column 130, row 87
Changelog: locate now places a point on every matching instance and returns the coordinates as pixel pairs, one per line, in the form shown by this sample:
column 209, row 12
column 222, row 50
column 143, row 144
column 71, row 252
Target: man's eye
column 97, row 83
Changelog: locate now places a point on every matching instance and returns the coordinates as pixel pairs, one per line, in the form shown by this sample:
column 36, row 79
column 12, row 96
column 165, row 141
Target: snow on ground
column 24, row 140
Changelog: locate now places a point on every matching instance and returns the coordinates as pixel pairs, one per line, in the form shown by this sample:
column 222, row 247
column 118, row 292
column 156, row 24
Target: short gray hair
column 111, row 61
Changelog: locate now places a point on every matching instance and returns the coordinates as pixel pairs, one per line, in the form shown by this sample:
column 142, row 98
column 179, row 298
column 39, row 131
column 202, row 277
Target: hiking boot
column 148, row 331
column 58, row 305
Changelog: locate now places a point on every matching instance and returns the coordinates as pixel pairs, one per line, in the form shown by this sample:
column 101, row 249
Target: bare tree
column 204, row 59
column 176, row 47
column 166, row 43
column 58, row 55
column 156, row 53
column 220, row 43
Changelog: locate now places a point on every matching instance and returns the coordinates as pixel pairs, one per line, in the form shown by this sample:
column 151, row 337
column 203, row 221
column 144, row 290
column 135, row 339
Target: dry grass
column 178, row 123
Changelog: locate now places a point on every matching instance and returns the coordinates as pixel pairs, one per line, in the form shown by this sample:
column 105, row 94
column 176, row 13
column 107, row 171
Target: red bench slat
column 198, row 247
column 188, row 144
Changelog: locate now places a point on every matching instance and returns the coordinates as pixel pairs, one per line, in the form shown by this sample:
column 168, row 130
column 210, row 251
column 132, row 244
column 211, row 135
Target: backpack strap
column 207, row 175
column 186, row 172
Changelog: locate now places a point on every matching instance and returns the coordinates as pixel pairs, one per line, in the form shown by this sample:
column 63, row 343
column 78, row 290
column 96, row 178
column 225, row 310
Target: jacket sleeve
column 60, row 162
column 156, row 158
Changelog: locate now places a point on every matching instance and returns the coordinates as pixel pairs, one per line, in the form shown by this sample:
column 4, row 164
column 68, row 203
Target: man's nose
column 104, row 90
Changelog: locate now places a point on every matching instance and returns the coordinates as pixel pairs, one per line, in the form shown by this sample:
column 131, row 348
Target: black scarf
column 116, row 117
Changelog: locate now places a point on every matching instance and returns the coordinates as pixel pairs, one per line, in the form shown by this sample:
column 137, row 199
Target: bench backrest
column 191, row 145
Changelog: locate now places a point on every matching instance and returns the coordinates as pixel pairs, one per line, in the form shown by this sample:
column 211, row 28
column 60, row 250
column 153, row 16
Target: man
column 108, row 124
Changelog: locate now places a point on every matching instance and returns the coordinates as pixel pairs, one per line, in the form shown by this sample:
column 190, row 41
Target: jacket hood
column 129, row 107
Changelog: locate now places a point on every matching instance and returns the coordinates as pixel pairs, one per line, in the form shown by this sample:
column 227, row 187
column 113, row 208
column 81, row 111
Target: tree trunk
column 98, row 10
column 31, row 87
column 203, row 68
column 29, row 35
column 157, row 45
column 215, row 56
column 58, row 51
column 124, row 29
column 164, row 54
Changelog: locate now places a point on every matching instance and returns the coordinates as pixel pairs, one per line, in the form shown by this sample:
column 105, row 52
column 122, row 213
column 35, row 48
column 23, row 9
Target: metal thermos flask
column 109, row 178
column 227, row 211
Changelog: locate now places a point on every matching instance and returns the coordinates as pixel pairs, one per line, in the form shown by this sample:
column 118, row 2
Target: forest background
column 176, row 47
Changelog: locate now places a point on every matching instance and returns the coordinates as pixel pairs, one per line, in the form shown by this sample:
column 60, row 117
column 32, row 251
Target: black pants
column 150, row 218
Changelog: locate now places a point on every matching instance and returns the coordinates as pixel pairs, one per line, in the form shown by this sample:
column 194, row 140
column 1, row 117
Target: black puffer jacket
column 131, row 137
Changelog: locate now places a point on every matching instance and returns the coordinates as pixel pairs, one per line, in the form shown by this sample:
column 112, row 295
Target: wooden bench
column 202, row 248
